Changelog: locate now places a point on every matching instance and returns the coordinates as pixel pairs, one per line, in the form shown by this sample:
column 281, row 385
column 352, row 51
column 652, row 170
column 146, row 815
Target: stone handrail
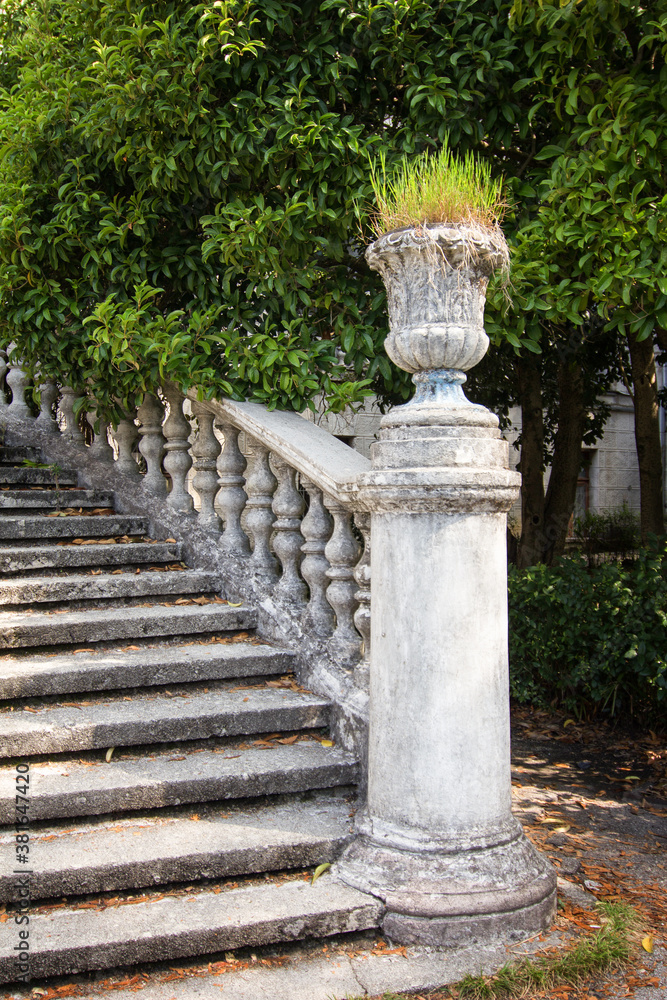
column 272, row 491
column 331, row 465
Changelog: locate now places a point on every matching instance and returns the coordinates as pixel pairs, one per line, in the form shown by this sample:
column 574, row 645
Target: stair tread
column 86, row 587
column 37, row 477
column 104, row 669
column 29, row 498
column 21, row 628
column 75, row 787
column 14, row 526
column 36, row 557
column 154, row 718
column 217, row 842
column 68, row 940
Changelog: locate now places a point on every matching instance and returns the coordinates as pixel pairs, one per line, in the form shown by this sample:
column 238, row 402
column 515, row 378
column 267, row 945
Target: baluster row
column 299, row 544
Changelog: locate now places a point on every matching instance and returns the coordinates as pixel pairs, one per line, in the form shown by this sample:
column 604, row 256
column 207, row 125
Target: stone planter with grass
column 437, row 841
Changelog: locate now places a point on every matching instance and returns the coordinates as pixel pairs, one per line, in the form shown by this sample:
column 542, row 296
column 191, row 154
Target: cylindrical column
column 100, row 448
column 125, row 435
column 48, row 394
column 151, row 444
column 17, row 381
column 205, row 451
column 437, row 840
column 177, row 461
column 4, row 368
column 232, row 497
column 71, row 430
column 362, row 616
column 260, row 486
column 342, row 551
column 288, row 507
column 316, row 529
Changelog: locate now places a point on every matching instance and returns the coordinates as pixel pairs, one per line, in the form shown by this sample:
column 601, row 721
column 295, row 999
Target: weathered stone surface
column 14, row 558
column 14, row 526
column 16, row 453
column 20, row 629
column 438, row 842
column 84, row 587
column 53, row 499
column 23, row 676
column 148, row 850
column 157, row 718
column 319, row 668
column 69, row 787
column 576, row 894
column 36, row 477
column 70, row 940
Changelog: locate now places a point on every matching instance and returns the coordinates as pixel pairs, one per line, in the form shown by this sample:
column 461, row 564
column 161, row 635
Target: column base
column 445, row 899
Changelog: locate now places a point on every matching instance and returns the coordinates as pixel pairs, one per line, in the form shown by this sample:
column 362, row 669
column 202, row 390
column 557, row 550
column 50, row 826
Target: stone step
column 20, row 558
column 53, row 499
column 86, row 587
column 24, row 475
column 217, row 842
column 139, row 781
column 14, row 526
column 27, row 676
column 158, row 718
column 15, row 454
column 69, row 940
column 48, row 628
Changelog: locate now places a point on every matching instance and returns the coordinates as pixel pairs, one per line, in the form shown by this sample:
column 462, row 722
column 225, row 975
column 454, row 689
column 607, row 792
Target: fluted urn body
column 436, row 279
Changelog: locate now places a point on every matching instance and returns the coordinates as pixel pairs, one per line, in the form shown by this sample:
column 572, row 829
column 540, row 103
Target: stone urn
column 436, row 279
column 436, row 840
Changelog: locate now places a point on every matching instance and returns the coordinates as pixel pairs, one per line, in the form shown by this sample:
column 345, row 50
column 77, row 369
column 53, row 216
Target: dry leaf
column 647, row 944
column 109, row 754
column 231, row 605
column 320, row 871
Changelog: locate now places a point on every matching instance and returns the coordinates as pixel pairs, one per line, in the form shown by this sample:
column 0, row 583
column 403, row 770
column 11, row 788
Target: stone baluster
column 151, row 444
column 48, row 394
column 125, row 434
column 316, row 529
column 232, row 497
column 205, row 452
column 17, row 381
column 177, row 461
column 260, row 486
column 71, row 430
column 100, row 448
column 288, row 507
column 362, row 616
column 342, row 551
column 4, row 368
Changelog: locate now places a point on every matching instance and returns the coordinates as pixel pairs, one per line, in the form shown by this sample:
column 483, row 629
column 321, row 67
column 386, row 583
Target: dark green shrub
column 591, row 638
column 614, row 531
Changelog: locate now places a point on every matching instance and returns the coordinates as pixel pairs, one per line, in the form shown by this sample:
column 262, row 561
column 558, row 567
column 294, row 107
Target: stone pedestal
column 437, row 841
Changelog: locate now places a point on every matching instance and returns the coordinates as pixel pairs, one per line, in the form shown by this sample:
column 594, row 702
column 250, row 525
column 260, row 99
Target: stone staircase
column 180, row 782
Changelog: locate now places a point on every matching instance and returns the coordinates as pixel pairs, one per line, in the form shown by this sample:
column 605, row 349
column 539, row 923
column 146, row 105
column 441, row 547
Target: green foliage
column 591, row 639
column 218, row 153
column 436, row 187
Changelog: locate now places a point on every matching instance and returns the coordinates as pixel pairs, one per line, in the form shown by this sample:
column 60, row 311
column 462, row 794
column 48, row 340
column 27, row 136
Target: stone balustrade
column 274, row 492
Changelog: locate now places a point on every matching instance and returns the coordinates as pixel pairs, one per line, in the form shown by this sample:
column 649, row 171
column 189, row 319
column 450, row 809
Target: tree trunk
column 562, row 489
column 531, row 464
column 647, row 435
